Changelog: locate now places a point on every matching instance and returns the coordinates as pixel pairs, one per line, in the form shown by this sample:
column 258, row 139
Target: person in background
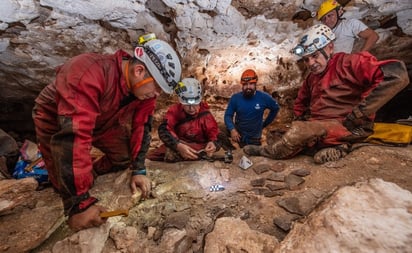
column 188, row 128
column 337, row 102
column 244, row 115
column 346, row 30
column 105, row 101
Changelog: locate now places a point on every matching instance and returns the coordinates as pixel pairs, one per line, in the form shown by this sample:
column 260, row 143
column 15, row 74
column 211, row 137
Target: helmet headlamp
column 190, row 101
column 147, row 37
column 298, row 50
column 314, row 39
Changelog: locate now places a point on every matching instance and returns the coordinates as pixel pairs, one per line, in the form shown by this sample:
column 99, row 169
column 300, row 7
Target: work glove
column 361, row 127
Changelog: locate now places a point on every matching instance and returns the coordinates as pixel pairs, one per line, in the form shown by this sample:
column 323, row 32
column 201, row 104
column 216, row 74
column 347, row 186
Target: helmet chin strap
column 324, row 53
column 127, row 75
column 138, row 84
column 338, row 19
column 143, row 82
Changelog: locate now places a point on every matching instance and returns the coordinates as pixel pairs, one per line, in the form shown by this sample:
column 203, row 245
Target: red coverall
column 89, row 104
column 178, row 127
column 348, row 80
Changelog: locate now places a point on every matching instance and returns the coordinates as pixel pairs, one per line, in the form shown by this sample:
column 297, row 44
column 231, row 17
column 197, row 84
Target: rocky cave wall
column 216, row 40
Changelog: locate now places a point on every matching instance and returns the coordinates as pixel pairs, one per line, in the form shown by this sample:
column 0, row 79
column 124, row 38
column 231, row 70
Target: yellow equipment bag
column 391, row 133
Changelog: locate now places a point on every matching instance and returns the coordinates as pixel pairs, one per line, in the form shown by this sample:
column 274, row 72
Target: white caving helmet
column 193, row 93
column 161, row 60
column 313, row 39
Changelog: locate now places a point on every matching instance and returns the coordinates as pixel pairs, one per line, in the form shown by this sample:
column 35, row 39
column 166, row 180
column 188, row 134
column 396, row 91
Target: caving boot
column 252, row 150
column 331, row 154
column 279, row 150
column 255, row 150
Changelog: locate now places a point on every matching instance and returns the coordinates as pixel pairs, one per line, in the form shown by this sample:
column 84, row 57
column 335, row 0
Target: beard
column 248, row 93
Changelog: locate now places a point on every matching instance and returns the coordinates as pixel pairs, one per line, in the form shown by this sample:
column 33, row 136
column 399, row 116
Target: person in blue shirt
column 244, row 115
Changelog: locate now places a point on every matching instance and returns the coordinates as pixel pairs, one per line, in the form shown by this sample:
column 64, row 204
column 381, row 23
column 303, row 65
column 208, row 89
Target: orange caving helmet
column 249, row 76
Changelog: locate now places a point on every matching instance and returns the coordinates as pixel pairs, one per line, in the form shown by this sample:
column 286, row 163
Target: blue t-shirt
column 248, row 114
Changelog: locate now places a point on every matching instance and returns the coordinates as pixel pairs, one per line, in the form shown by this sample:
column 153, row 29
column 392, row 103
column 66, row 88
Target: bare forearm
column 371, row 37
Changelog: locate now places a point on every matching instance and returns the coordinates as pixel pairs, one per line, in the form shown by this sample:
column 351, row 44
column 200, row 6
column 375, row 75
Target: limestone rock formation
column 216, row 40
column 372, row 216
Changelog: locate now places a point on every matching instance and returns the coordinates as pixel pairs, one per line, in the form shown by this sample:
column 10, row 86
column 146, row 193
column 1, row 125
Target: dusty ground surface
column 182, row 198
column 392, row 164
column 264, row 195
